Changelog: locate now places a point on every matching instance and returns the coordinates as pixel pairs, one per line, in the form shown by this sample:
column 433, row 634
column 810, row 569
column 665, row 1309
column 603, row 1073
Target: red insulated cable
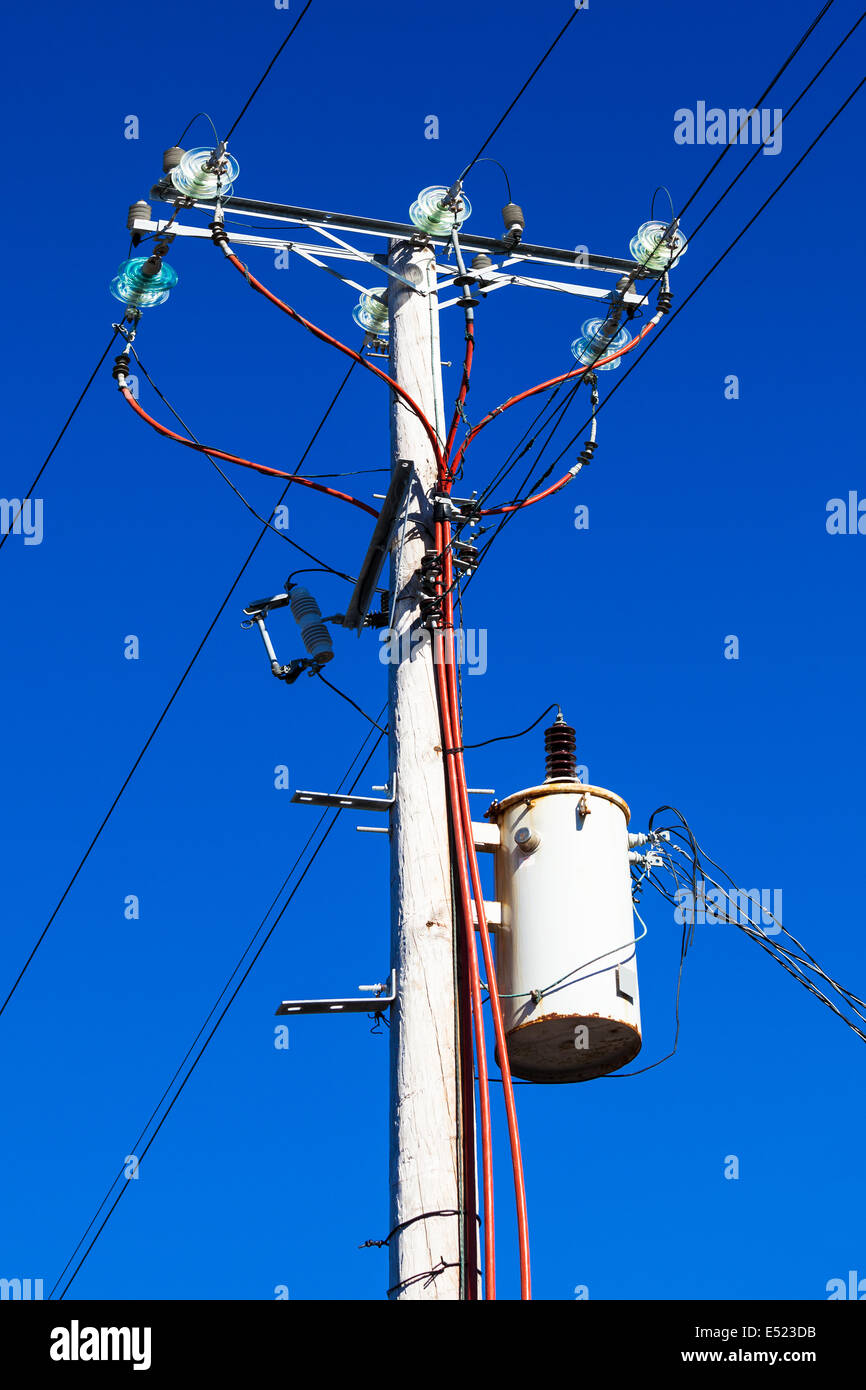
column 528, row 501
column 464, row 386
column 467, row 1107
column 501, row 1043
column 543, row 386
column 459, row 770
column 245, row 463
column 452, row 736
column 441, row 670
column 471, row 1007
column 349, row 352
column 566, row 477
column 477, row 1009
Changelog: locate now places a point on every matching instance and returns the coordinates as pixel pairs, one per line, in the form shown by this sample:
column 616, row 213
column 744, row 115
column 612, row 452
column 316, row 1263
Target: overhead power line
column 188, row 443
column 323, row 564
column 449, row 702
column 349, row 701
column 249, row 946
column 151, row 736
column 68, row 421
column 507, row 112
column 798, row 963
column 728, row 249
column 437, row 611
column 756, row 105
column 235, row 123
column 502, row 473
column 666, row 325
column 787, row 116
column 229, row 1002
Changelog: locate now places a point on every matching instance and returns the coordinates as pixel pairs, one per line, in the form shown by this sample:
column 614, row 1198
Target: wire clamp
column 447, row 508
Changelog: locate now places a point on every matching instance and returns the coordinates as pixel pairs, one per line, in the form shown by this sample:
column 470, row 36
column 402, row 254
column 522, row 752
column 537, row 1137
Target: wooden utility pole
column 424, row 1094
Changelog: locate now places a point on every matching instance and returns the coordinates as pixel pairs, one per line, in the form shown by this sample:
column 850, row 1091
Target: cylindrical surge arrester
column 308, row 616
column 559, row 746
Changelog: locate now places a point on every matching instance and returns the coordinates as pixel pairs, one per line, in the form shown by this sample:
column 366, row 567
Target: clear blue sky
column 707, row 518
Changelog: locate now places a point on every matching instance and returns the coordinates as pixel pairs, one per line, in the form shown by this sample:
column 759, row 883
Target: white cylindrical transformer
column 565, row 953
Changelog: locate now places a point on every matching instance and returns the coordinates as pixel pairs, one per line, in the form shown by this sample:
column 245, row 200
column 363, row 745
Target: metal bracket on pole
column 348, row 803
column 376, row 1005
column 368, row 578
column 448, row 508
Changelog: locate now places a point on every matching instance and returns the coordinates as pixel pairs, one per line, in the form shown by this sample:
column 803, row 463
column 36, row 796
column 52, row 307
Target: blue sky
column 707, row 518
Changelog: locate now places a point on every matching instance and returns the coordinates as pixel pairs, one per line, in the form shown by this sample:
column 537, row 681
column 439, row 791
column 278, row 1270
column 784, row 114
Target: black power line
column 225, row 1010
column 349, row 701
column 501, row 738
column 169, row 703
column 794, row 963
column 556, row 419
column 321, row 842
column 192, row 121
column 323, row 565
column 66, row 425
column 249, row 99
column 666, row 325
column 790, row 58
column 792, row 107
column 539, row 65
column 215, row 1006
column 697, row 229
